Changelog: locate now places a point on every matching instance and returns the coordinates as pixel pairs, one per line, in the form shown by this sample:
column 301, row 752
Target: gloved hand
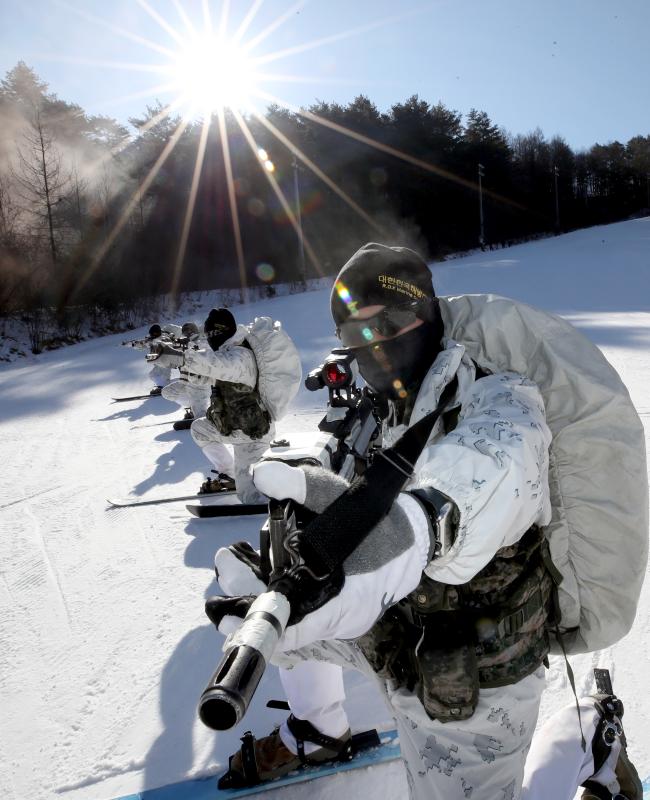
column 166, row 355
column 382, row 570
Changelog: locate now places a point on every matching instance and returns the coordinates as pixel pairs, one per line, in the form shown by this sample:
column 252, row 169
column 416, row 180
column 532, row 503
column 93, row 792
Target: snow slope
column 105, row 648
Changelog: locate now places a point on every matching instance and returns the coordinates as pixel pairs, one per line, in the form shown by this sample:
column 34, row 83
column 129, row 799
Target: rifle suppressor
column 246, row 653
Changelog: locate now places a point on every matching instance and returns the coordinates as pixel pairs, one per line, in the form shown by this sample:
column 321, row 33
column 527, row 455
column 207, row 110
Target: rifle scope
column 336, row 372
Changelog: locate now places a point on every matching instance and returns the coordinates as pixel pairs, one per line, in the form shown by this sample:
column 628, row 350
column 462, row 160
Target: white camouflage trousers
column 160, row 375
column 246, row 453
column 481, row 758
column 186, row 395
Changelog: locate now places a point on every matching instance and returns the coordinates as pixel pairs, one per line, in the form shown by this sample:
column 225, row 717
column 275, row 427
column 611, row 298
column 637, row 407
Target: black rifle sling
column 336, row 533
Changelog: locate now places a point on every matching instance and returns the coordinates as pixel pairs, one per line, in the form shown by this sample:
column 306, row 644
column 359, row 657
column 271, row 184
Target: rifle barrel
column 246, row 653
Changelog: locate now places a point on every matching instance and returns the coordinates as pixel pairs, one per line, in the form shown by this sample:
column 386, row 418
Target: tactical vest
column 235, row 406
column 445, row 642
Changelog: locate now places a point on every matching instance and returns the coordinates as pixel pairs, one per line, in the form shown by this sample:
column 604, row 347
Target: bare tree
column 11, row 264
column 9, row 215
column 71, row 208
column 41, row 177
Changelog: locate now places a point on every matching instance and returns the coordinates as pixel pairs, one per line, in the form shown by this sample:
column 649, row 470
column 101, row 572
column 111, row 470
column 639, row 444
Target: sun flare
column 206, row 70
column 211, row 74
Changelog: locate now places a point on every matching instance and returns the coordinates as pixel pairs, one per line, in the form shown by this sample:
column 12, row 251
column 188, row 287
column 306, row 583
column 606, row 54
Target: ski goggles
column 386, row 323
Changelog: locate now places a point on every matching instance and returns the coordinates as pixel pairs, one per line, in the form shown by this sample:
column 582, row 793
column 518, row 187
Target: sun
column 211, row 74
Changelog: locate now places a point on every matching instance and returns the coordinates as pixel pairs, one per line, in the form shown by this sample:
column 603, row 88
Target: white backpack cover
column 278, row 364
column 598, row 535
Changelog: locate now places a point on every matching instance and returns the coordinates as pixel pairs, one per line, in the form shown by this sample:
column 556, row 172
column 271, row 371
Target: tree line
column 93, row 218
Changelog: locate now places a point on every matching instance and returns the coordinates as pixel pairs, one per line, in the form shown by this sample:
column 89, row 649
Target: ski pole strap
column 336, row 533
column 572, row 683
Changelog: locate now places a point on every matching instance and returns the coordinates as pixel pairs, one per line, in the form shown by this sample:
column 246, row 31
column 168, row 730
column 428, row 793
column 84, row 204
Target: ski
column 371, row 749
column 129, row 502
column 134, row 397
column 227, row 510
column 152, row 425
column 177, row 425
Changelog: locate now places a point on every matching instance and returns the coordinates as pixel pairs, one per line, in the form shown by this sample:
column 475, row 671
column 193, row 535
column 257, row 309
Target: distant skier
column 246, row 399
column 448, row 600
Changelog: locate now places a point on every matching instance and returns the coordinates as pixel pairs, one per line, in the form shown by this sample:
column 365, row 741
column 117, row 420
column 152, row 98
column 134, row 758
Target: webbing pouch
column 447, row 666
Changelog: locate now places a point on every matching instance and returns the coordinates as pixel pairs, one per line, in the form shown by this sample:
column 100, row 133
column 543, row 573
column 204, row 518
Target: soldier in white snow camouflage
column 455, row 633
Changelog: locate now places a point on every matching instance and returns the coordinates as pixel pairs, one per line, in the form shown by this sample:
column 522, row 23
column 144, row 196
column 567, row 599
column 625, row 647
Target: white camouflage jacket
column 231, row 362
column 493, row 465
column 270, row 362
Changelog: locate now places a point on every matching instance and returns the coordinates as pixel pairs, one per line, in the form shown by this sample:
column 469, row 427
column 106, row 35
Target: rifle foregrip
column 247, row 651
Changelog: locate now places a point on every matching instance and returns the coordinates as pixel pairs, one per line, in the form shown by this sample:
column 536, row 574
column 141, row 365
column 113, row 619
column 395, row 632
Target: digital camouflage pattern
column 489, row 632
column 480, row 757
column 235, row 406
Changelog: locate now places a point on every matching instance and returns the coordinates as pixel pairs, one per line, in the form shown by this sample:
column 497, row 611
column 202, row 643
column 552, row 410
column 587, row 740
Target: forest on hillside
column 94, row 217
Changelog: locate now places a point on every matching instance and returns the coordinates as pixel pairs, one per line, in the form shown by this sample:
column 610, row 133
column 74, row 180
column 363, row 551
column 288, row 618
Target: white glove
column 382, row 570
column 196, row 362
column 281, row 481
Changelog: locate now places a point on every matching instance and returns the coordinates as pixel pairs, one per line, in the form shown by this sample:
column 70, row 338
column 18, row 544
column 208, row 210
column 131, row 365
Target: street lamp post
column 481, row 175
column 556, row 172
column 301, row 245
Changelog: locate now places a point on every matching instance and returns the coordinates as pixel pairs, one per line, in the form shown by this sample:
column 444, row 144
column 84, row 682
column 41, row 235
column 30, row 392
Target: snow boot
column 264, row 759
column 222, row 483
column 156, row 391
column 183, row 424
column 610, row 709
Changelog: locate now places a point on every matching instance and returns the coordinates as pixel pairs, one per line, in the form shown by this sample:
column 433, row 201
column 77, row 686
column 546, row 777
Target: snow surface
column 104, row 645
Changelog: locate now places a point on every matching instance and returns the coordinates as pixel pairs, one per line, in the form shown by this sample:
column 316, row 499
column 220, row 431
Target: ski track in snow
column 30, row 496
column 105, row 648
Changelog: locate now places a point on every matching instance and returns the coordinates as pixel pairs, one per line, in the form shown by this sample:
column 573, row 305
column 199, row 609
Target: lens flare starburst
column 211, row 73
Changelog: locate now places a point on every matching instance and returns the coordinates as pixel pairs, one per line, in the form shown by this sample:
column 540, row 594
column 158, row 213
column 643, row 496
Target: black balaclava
column 155, row 331
column 219, row 327
column 391, row 276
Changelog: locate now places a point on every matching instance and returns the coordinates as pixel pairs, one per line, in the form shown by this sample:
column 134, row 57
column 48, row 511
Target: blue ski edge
column 206, row 788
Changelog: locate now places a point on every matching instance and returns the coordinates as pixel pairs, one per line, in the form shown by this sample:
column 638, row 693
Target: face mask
column 396, row 367
column 217, row 337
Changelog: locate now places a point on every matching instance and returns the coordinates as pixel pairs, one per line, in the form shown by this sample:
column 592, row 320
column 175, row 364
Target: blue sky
column 578, row 68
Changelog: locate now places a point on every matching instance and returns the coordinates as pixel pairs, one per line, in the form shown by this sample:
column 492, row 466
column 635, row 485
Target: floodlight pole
column 481, row 174
column 556, row 172
column 301, row 245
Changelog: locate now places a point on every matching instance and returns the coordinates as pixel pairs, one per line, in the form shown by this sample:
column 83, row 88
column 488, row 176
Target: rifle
column 183, row 343
column 139, row 343
column 353, row 426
